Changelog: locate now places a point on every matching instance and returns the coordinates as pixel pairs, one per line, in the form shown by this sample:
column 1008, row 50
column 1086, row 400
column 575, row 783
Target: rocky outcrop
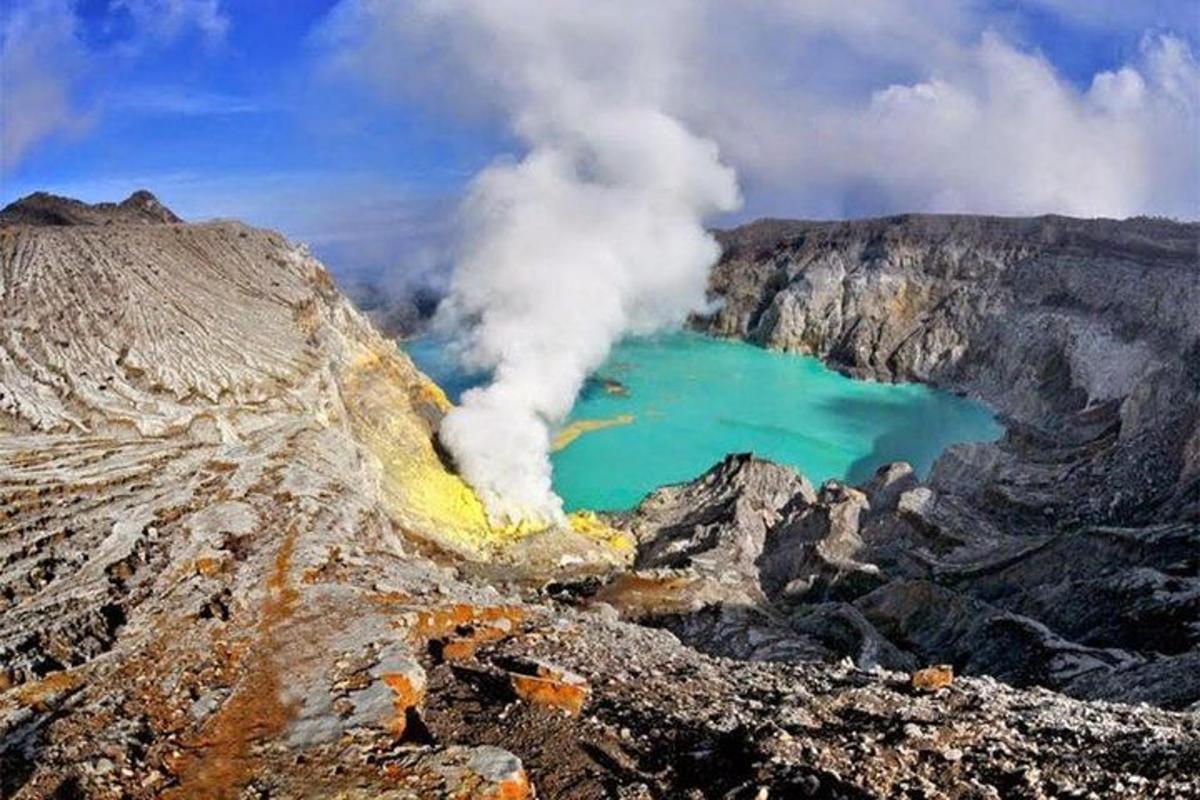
column 890, row 577
column 41, row 208
column 1083, row 334
column 234, row 565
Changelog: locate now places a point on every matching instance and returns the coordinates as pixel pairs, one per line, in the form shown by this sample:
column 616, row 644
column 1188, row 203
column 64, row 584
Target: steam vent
column 236, row 565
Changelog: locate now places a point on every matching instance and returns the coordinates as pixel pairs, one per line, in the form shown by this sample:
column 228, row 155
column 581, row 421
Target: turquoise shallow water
column 695, row 399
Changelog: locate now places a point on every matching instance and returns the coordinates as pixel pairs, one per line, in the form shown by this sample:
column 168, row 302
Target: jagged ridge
column 43, row 208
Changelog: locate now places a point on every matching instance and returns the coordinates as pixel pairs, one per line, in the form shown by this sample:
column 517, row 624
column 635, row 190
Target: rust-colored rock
column 39, row 693
column 551, row 686
column 637, row 594
column 480, row 773
column 436, row 622
column 409, row 689
column 516, row 787
column 933, row 678
column 208, row 567
column 456, row 631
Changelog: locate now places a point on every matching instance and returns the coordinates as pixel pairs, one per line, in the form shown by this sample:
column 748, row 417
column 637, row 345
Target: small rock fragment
column 480, row 773
column 550, row 685
column 933, row 678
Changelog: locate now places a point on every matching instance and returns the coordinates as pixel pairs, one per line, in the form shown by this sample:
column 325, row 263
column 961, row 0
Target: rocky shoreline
column 1063, row 555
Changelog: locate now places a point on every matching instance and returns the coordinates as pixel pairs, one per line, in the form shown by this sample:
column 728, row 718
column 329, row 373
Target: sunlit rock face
column 234, row 565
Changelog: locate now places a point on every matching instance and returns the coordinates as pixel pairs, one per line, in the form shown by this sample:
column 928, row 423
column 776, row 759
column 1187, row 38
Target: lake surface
column 666, row 408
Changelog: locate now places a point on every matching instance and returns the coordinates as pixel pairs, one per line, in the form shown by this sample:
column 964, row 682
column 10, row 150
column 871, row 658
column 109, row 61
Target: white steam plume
column 826, row 108
column 597, row 232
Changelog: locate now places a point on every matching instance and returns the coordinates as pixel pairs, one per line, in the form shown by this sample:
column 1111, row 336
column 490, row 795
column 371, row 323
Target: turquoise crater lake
column 693, row 399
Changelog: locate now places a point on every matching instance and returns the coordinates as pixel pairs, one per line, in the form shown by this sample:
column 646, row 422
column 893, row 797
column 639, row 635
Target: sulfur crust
column 391, row 407
column 570, row 433
column 591, row 526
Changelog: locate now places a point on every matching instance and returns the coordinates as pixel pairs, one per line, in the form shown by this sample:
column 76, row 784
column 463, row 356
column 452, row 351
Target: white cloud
column 44, row 61
column 40, row 58
column 828, row 108
column 981, row 125
column 159, row 21
column 1005, row 134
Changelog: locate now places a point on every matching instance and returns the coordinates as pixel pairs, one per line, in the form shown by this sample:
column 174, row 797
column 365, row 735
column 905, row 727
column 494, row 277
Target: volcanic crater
column 237, row 565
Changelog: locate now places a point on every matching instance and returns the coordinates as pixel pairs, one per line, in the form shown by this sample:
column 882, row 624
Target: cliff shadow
column 916, row 429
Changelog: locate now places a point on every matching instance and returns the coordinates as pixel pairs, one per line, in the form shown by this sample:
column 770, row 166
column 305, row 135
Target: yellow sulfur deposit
column 590, row 525
column 576, row 429
column 393, row 410
column 430, row 392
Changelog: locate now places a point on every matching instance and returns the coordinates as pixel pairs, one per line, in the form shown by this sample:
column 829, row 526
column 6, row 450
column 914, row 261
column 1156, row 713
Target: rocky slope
column 1065, row 555
column 752, row 562
column 236, row 566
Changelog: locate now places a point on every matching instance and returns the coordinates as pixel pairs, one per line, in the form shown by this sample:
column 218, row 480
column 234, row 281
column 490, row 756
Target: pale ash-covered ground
column 235, row 565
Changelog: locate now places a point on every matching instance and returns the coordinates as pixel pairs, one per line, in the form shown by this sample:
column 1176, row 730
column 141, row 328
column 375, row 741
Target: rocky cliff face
column 1083, row 334
column 234, row 565
column 1063, row 555
column 751, row 562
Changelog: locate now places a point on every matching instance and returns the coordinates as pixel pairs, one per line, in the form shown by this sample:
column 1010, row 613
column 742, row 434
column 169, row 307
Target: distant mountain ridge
column 43, row 208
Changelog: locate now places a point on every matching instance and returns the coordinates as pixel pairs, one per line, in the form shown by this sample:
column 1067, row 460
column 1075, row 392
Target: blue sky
column 248, row 103
column 229, row 108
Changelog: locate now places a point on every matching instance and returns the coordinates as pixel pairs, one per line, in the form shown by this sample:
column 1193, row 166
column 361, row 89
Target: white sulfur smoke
column 826, row 108
column 597, row 232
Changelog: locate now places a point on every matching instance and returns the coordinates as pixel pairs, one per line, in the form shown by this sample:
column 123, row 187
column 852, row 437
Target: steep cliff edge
column 1063, row 555
column 234, row 565
column 1083, row 334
